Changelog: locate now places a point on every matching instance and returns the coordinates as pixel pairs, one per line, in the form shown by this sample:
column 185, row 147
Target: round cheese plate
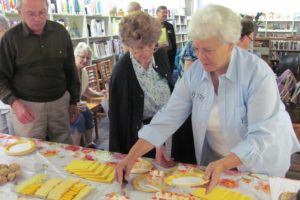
column 20, row 148
column 141, row 166
column 140, row 184
column 186, row 179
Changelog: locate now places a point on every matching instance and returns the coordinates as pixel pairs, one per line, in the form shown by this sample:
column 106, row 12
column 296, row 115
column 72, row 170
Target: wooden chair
column 93, row 82
column 105, row 70
column 93, row 78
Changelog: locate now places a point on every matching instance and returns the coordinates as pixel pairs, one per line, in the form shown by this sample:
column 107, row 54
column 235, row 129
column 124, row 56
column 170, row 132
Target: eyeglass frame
column 41, row 13
column 251, row 39
column 154, row 49
column 84, row 57
column 206, row 52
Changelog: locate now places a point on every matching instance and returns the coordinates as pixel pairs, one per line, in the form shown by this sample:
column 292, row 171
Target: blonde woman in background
column 84, row 124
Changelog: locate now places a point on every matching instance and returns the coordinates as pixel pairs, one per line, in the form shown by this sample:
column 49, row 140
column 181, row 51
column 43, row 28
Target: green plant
column 256, row 18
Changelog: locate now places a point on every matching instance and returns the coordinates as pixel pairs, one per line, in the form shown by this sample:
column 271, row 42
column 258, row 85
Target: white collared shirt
column 253, row 119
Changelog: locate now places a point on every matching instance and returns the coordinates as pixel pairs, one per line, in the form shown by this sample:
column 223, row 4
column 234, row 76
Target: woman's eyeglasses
column 249, row 38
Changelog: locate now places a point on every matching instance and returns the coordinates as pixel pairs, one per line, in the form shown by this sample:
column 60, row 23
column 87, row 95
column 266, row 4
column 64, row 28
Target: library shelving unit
column 278, row 28
column 282, row 47
column 180, row 26
column 99, row 31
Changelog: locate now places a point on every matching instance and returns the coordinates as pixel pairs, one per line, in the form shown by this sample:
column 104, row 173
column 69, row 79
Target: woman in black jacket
column 141, row 82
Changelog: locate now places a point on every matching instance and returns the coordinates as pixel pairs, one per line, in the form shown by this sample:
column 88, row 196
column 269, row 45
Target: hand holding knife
column 123, row 184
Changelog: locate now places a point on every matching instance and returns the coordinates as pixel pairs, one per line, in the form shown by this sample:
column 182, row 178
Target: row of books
column 90, row 7
column 107, row 48
column 96, row 28
column 290, row 45
column 276, row 55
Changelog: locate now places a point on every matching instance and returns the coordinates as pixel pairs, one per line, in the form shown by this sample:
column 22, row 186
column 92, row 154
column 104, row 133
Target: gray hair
column 19, row 3
column 139, row 29
column 160, row 8
column 133, row 6
column 215, row 20
column 81, row 47
column 4, row 22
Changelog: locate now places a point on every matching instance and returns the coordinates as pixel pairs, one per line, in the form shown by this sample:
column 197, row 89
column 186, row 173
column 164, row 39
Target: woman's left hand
column 215, row 169
column 162, row 158
column 213, row 173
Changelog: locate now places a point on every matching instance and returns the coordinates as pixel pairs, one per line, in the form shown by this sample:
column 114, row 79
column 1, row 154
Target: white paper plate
column 19, row 148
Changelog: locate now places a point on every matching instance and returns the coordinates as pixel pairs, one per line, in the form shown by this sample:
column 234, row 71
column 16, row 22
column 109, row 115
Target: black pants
column 183, row 149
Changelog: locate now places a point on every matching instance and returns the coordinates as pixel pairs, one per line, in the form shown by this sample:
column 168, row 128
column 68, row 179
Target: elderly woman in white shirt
column 5, row 119
column 238, row 118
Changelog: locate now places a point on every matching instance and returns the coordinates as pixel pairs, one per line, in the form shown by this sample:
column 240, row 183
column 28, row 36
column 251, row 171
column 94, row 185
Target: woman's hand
column 124, row 166
column 213, row 173
column 215, row 169
column 162, row 158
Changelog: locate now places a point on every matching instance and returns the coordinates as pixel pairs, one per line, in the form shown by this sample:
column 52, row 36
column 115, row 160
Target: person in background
column 186, row 57
column 84, row 124
column 38, row 76
column 171, row 47
column 133, row 6
column 239, row 121
column 5, row 118
column 141, row 84
column 247, row 32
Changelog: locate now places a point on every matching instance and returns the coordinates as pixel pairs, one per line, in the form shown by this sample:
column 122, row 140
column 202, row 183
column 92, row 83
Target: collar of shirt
column 138, row 67
column 27, row 31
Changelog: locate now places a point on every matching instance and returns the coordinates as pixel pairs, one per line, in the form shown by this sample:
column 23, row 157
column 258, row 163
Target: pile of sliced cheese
column 54, row 188
column 91, row 170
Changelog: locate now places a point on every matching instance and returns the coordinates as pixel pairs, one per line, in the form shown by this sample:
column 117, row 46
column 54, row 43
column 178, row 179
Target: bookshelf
column 278, row 28
column 91, row 21
column 282, row 47
column 84, row 22
column 180, row 26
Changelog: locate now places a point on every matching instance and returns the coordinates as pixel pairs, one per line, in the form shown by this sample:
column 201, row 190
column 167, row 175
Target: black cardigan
column 126, row 107
column 126, row 101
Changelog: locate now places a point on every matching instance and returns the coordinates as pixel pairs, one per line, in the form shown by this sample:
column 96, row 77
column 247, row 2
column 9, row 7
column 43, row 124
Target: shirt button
column 166, row 75
column 42, row 46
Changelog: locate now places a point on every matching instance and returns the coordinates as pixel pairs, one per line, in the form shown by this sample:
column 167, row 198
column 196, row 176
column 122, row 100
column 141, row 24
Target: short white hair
column 215, row 20
column 81, row 47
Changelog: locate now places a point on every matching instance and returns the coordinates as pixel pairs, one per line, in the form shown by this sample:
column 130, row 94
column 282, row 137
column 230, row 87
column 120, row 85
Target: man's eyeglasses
column 41, row 13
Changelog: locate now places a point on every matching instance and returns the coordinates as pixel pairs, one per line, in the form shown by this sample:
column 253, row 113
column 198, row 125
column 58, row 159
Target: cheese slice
column 39, row 178
column 43, row 191
column 83, row 193
column 61, row 188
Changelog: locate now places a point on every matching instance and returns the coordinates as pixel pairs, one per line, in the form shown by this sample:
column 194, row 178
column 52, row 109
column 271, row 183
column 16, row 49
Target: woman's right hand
column 123, row 170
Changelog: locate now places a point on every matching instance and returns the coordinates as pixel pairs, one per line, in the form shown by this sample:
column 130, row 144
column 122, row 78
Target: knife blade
column 123, row 185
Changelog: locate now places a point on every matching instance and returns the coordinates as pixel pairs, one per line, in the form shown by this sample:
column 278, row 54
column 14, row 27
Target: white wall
column 254, row 6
